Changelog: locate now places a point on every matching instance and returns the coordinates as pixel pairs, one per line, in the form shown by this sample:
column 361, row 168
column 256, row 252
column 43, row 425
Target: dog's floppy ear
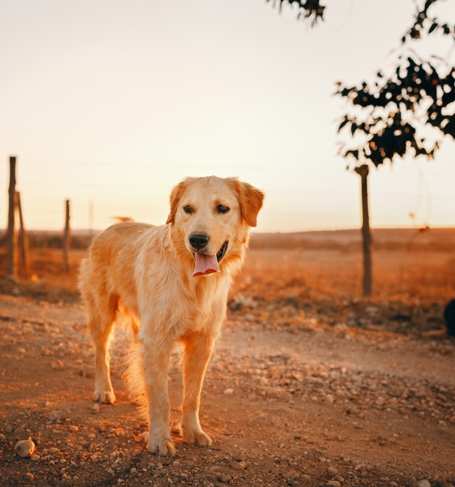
column 250, row 200
column 176, row 194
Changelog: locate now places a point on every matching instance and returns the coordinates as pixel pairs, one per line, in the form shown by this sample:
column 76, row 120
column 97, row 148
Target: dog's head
column 210, row 218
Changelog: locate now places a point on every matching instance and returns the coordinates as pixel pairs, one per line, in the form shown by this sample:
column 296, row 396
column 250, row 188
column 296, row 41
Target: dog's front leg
column 156, row 365
column 197, row 353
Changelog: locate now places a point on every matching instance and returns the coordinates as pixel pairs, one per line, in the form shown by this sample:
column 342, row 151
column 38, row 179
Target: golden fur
column 146, row 271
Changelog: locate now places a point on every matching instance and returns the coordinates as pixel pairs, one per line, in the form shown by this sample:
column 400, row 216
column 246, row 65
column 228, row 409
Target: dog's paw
column 198, row 437
column 106, row 397
column 160, row 446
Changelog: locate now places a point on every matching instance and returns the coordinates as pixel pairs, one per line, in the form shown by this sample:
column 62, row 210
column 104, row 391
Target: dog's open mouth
column 207, row 264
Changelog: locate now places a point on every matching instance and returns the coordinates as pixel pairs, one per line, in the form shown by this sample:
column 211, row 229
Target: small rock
column 333, row 483
column 25, row 448
column 58, row 364
column 424, row 483
column 229, row 391
column 223, row 477
column 56, row 416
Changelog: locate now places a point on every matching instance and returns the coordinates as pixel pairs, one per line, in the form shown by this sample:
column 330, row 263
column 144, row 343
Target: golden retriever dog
column 173, row 280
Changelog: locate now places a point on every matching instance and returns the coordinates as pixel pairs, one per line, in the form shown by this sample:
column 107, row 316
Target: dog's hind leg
column 101, row 320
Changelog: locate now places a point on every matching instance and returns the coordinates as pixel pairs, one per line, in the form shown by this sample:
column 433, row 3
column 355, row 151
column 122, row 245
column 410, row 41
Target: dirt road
column 300, row 407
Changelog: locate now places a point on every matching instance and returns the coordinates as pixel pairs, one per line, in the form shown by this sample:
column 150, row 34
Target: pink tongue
column 205, row 264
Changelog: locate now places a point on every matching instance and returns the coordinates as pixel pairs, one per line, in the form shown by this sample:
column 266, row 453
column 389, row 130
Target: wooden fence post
column 67, row 236
column 363, row 172
column 23, row 240
column 11, row 234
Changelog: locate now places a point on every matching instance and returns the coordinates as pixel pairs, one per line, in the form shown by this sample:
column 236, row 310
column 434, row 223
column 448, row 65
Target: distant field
column 409, row 266
column 409, row 276
column 434, row 239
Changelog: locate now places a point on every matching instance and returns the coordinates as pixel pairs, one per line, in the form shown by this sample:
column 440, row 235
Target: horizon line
column 308, row 230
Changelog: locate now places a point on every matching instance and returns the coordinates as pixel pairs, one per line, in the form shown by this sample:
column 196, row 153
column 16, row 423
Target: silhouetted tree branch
column 425, row 25
column 390, row 115
column 312, row 10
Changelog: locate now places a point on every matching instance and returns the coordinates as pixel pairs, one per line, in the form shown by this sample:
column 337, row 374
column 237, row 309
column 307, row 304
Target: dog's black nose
column 199, row 240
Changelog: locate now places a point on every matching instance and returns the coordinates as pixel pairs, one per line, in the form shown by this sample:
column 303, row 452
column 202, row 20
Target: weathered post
column 67, row 236
column 11, row 234
column 363, row 172
column 22, row 240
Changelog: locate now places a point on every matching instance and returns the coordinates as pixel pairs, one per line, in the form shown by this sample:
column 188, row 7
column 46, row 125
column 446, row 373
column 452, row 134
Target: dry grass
column 409, row 276
column 410, row 266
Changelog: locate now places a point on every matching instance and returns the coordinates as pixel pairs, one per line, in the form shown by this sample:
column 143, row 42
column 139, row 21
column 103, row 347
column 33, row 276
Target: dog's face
column 211, row 216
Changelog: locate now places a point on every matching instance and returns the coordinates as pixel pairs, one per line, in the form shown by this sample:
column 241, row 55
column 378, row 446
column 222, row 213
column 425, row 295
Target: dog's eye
column 188, row 209
column 222, row 209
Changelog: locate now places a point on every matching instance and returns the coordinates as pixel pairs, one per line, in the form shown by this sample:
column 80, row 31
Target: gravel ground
column 306, row 404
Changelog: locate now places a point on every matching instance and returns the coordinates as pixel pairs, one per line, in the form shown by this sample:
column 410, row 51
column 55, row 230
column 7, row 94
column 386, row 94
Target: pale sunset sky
column 115, row 101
